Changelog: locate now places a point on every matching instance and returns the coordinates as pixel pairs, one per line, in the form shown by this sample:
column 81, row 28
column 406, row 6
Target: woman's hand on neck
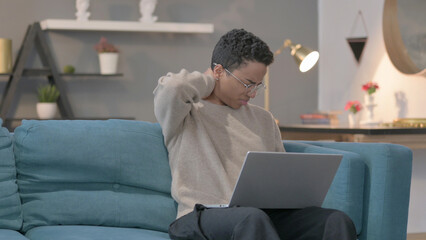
column 212, row 97
column 209, row 72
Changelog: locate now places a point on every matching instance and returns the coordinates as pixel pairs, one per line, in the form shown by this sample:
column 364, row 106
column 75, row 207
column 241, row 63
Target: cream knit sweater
column 207, row 143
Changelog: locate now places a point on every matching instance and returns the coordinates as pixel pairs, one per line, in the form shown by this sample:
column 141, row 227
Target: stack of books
column 320, row 118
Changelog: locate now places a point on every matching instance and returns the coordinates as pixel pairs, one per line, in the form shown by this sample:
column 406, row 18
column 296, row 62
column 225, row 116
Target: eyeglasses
column 252, row 87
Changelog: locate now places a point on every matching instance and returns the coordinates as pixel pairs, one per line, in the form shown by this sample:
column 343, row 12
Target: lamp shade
column 304, row 57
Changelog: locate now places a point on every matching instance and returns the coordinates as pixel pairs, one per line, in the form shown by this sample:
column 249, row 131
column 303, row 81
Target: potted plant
column 370, row 88
column 108, row 56
column 353, row 107
column 47, row 97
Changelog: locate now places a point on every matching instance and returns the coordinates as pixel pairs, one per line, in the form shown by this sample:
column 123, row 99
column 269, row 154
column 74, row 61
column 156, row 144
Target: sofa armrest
column 347, row 189
column 386, row 187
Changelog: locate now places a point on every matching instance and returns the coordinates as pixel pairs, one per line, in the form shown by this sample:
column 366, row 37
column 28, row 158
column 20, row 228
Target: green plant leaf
column 48, row 93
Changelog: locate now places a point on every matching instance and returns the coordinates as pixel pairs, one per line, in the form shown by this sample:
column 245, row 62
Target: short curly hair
column 237, row 47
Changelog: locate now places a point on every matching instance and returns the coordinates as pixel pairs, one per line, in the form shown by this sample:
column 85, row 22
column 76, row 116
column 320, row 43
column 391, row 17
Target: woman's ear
column 217, row 71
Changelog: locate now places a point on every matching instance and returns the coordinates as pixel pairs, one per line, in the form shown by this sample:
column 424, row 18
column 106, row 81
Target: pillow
column 92, row 172
column 10, row 203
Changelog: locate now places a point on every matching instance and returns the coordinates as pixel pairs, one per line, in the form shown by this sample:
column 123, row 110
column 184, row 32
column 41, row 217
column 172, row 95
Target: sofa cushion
column 7, row 234
column 86, row 172
column 10, row 203
column 93, row 233
column 347, row 190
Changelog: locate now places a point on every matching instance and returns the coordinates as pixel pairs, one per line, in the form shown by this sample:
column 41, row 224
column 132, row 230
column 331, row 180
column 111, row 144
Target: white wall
column 341, row 78
column 144, row 57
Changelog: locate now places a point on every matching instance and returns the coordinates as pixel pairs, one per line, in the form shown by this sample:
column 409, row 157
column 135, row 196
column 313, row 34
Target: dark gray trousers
column 247, row 223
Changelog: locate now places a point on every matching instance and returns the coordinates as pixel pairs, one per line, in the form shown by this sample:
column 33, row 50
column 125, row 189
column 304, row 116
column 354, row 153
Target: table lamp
column 304, row 57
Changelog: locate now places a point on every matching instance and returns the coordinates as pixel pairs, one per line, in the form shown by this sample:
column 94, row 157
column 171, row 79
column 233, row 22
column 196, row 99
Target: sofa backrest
column 108, row 173
column 10, row 203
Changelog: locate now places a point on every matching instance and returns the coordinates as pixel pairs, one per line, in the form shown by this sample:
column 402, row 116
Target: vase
column 353, row 119
column 369, row 103
column 368, row 99
column 46, row 110
column 108, row 62
column 5, row 55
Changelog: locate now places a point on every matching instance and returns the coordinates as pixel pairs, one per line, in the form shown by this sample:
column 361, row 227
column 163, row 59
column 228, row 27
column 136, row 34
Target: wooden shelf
column 125, row 26
column 75, row 118
column 416, row 236
column 42, row 72
column 414, row 138
column 35, row 39
column 90, row 75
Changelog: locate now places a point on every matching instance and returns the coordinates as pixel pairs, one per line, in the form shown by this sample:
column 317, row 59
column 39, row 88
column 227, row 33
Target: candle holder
column 369, row 105
column 5, row 56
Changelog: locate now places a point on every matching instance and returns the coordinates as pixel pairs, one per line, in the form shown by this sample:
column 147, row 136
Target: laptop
column 271, row 180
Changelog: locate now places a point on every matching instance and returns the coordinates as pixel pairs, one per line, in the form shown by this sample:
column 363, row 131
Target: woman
column 208, row 126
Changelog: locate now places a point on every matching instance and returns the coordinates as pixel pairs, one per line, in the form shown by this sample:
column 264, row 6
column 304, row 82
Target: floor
column 416, row 236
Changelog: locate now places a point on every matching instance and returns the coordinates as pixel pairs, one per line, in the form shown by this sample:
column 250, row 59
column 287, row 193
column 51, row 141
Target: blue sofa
column 110, row 180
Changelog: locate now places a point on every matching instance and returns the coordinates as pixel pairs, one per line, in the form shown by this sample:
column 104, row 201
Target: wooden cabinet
column 414, row 138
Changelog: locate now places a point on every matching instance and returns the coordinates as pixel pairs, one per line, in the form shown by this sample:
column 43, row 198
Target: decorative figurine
column 82, row 6
column 146, row 8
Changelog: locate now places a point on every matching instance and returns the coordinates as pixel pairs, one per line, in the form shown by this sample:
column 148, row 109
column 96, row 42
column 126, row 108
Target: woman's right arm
column 174, row 96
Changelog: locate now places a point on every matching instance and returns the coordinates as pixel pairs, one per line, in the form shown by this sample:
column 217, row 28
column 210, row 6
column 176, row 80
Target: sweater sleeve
column 174, row 96
column 278, row 138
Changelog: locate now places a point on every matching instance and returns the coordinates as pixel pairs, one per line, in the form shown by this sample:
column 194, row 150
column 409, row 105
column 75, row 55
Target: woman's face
column 230, row 90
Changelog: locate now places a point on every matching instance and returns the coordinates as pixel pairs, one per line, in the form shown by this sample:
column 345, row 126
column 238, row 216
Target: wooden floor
column 416, row 236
